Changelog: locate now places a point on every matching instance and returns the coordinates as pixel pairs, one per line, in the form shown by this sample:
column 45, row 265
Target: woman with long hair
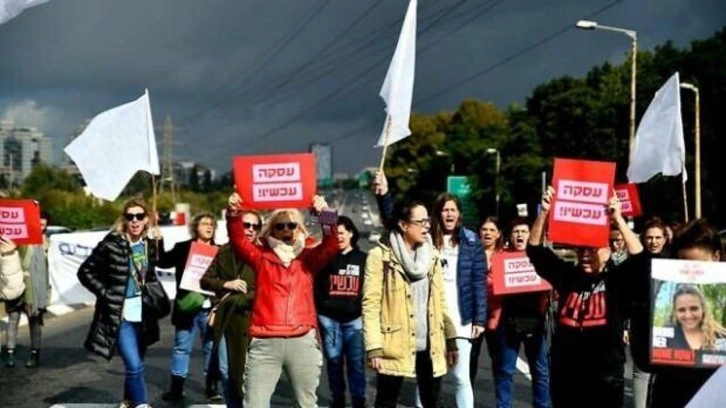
column 695, row 327
column 283, row 330
column 233, row 282
column 490, row 236
column 464, row 272
column 406, row 324
column 338, row 295
column 673, row 387
column 115, row 272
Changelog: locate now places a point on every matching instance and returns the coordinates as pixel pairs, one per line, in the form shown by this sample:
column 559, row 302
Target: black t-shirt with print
column 339, row 287
column 590, row 315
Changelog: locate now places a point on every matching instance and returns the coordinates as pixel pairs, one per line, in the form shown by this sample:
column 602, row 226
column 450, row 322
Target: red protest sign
column 20, row 221
column 628, row 196
column 578, row 213
column 198, row 261
column 275, row 181
column 513, row 273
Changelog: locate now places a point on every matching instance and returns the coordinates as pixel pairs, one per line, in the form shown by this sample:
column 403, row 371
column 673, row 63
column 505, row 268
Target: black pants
column 577, row 386
column 475, row 353
column 676, row 387
column 388, row 387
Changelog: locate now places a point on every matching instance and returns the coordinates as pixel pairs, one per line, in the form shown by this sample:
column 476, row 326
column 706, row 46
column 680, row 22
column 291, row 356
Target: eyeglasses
column 280, row 226
column 138, row 216
column 422, row 222
column 249, row 225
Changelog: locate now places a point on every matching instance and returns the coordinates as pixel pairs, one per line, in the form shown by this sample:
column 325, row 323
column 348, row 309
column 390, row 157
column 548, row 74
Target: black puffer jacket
column 105, row 273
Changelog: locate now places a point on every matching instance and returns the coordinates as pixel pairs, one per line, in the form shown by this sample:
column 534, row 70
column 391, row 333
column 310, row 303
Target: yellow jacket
column 388, row 319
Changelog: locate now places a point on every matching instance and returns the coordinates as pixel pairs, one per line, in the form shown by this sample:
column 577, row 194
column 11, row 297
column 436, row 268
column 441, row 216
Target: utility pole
column 167, row 169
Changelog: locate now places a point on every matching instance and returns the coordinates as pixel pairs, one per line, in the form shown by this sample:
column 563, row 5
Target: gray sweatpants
column 301, row 359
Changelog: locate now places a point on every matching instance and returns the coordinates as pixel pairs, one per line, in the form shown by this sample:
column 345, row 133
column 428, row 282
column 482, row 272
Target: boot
column 10, row 358
column 211, row 390
column 33, row 359
column 176, row 392
column 358, row 402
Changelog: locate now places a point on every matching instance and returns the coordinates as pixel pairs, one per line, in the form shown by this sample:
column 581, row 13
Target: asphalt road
column 71, row 377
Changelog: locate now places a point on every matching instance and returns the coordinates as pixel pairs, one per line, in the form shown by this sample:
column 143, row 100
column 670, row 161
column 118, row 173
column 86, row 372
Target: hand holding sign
column 234, row 203
column 7, row 246
column 319, row 204
column 547, row 197
column 615, row 207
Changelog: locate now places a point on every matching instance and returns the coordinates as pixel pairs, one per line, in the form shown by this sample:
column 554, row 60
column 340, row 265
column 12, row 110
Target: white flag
column 659, row 146
column 10, row 9
column 397, row 89
column 116, row 144
column 712, row 393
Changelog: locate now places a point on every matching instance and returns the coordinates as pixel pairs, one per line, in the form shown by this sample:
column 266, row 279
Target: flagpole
column 154, row 217
column 685, row 196
column 386, row 133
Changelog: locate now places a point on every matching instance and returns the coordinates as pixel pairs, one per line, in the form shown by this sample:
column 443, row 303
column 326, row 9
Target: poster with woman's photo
column 688, row 313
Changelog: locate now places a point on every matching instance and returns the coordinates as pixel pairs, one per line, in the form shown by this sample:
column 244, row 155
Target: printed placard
column 198, row 261
column 20, row 221
column 275, row 181
column 688, row 313
column 629, row 198
column 513, row 273
column 579, row 212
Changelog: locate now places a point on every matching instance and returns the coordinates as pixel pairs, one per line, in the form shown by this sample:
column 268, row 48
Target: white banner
column 68, row 251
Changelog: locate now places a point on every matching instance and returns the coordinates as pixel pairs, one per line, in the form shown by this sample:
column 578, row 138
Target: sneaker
column 125, row 404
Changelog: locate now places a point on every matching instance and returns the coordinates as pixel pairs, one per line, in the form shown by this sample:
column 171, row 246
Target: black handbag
column 155, row 302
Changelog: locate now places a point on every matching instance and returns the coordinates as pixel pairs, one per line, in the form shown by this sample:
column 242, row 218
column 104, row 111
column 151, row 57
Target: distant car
column 57, row 229
column 374, row 237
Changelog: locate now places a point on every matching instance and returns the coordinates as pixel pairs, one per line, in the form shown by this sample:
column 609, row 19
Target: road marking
column 523, row 368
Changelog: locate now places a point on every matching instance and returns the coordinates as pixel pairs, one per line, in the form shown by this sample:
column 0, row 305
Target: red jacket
column 283, row 305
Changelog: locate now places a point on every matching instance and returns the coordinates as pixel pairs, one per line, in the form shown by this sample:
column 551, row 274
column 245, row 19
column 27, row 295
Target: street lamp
column 691, row 87
column 591, row 25
column 492, row 150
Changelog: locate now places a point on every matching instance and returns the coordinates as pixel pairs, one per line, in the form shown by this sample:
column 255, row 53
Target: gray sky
column 265, row 76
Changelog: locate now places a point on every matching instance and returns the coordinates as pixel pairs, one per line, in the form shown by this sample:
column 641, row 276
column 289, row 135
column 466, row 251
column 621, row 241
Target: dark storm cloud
column 275, row 75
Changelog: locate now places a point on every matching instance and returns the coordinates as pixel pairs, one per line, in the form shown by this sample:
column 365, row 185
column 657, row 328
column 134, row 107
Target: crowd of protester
column 419, row 305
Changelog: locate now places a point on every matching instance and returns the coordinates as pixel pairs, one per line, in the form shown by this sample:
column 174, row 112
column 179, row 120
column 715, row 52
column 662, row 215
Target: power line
column 509, row 58
column 283, row 42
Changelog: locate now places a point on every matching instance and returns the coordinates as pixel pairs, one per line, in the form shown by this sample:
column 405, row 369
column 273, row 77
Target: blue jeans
column 504, row 362
column 130, row 347
column 184, row 341
column 343, row 345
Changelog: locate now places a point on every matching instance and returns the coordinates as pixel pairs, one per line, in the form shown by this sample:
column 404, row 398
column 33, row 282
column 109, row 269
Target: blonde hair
column 274, row 217
column 119, row 226
column 711, row 329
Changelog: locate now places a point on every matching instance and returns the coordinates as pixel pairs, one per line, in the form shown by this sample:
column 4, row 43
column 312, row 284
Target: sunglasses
column 281, row 226
column 249, row 225
column 138, row 216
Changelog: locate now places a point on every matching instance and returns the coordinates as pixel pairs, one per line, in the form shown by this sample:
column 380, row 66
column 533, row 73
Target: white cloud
column 28, row 113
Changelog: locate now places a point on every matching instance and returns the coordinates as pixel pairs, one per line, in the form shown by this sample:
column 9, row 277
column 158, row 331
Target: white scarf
column 287, row 253
column 418, row 266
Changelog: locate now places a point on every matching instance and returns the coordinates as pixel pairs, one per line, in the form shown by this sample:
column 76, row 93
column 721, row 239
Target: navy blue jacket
column 471, row 278
column 471, row 270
